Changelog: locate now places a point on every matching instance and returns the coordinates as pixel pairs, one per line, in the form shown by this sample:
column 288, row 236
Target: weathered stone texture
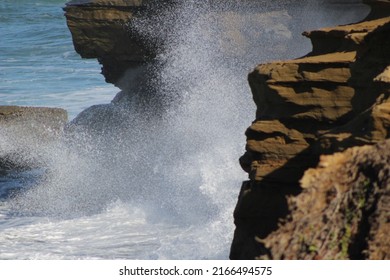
column 336, row 97
column 99, row 30
column 319, row 94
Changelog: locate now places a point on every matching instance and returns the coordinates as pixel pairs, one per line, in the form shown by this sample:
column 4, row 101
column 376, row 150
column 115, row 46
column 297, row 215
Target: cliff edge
column 336, row 97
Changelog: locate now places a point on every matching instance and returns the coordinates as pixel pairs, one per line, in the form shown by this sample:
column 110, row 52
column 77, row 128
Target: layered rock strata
column 134, row 39
column 99, row 30
column 23, row 133
column 336, row 97
column 127, row 36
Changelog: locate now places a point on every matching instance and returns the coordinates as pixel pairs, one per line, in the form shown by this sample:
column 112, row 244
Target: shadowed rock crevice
column 264, row 202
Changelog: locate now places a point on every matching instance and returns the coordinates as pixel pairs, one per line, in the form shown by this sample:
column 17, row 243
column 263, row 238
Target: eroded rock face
column 99, row 31
column 127, row 36
column 320, row 97
column 335, row 98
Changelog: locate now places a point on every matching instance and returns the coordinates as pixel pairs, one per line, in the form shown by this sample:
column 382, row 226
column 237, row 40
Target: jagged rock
column 99, row 30
column 343, row 211
column 24, row 131
column 130, row 38
column 322, row 93
column 135, row 41
column 127, row 35
column 272, row 145
column 334, row 98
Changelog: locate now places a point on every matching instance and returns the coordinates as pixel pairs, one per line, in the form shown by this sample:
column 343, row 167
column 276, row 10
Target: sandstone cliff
column 336, row 97
column 99, row 31
column 127, row 36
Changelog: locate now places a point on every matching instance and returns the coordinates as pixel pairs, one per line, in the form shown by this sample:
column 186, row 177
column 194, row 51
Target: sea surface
column 38, row 64
column 148, row 188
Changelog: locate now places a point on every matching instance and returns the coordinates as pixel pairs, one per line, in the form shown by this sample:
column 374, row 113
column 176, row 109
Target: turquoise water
column 38, row 64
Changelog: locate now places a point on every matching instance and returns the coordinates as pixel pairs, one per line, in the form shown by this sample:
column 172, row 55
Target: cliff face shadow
column 263, row 205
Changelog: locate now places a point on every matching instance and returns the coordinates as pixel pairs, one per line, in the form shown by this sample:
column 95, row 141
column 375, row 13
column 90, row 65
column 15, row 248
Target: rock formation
column 126, row 37
column 24, row 131
column 343, row 211
column 336, row 97
column 99, row 30
column 133, row 39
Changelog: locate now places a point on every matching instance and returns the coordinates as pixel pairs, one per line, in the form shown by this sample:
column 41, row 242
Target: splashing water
column 139, row 184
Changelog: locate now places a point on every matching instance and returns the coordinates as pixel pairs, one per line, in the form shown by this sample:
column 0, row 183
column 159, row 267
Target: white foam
column 148, row 187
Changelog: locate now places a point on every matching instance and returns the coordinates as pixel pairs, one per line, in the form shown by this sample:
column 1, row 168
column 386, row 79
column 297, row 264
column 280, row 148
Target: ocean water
column 38, row 64
column 146, row 187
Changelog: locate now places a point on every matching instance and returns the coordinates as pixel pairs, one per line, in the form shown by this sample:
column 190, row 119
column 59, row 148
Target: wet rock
column 332, row 99
column 24, row 132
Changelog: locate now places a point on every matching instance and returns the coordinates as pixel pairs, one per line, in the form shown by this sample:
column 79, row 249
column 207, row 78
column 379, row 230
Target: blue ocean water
column 38, row 64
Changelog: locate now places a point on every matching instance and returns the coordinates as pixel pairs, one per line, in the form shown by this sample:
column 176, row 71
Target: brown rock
column 335, row 98
column 317, row 95
column 99, row 30
column 273, row 145
column 343, row 38
column 343, row 211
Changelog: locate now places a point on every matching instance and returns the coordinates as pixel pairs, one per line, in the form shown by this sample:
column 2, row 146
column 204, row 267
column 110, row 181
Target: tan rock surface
column 99, row 30
column 335, row 98
column 320, row 94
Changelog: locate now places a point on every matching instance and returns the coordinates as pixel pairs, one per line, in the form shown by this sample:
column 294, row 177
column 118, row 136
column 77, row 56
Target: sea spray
column 155, row 182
